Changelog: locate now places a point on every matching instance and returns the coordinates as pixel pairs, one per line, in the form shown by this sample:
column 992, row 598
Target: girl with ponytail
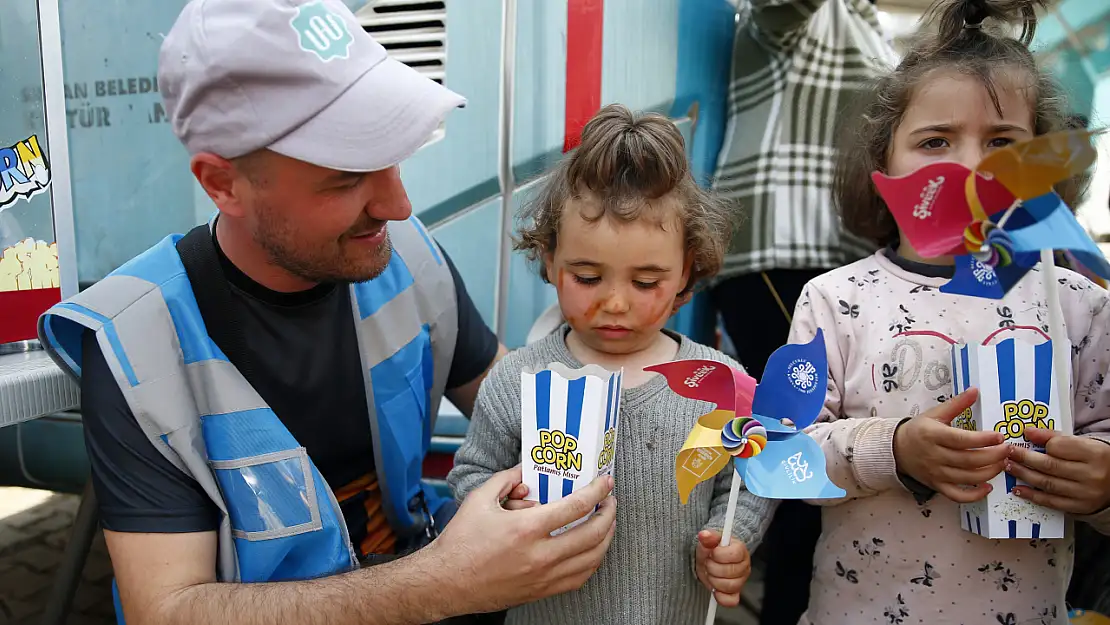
column 892, row 551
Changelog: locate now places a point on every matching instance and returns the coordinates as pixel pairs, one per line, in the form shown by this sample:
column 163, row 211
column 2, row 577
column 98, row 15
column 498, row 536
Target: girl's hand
column 516, row 501
column 1073, row 475
column 723, row 570
column 947, row 459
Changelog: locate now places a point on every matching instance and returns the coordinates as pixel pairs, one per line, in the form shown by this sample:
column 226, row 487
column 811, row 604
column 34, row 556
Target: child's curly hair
column 963, row 41
column 624, row 162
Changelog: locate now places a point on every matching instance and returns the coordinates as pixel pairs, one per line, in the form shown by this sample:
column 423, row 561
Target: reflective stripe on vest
column 203, row 416
column 407, row 333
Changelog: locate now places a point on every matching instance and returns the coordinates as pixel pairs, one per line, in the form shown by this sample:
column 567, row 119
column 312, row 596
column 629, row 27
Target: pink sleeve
column 859, row 451
column 1090, row 362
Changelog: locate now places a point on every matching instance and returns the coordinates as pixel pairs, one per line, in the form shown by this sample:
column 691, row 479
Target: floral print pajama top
column 889, row 556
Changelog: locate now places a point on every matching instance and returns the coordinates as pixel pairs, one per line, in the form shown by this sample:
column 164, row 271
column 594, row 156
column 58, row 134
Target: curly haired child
column 623, row 232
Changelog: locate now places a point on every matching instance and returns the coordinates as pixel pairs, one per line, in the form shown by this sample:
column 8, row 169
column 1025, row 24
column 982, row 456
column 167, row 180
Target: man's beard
column 329, row 264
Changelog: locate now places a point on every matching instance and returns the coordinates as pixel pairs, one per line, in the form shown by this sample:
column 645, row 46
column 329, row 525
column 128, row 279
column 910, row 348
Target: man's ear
column 223, row 183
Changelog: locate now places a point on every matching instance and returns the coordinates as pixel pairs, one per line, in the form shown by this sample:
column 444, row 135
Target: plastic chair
column 548, row 321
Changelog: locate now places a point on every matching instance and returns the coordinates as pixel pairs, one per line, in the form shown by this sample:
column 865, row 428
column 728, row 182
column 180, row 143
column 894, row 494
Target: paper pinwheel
column 775, row 460
column 998, row 218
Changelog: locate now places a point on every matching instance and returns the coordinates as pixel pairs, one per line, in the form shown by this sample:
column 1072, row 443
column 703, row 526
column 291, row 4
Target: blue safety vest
column 281, row 521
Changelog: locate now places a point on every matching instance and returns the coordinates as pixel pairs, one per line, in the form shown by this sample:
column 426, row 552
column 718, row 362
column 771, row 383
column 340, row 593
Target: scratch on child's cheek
column 591, row 312
column 560, row 280
column 661, row 308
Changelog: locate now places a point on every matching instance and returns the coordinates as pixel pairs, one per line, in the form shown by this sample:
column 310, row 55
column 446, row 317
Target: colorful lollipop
column 744, row 437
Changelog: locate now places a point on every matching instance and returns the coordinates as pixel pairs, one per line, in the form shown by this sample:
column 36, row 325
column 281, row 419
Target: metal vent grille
column 414, row 33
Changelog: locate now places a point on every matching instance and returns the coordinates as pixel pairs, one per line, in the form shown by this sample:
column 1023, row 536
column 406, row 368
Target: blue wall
column 706, row 29
column 131, row 180
column 132, row 186
column 705, row 34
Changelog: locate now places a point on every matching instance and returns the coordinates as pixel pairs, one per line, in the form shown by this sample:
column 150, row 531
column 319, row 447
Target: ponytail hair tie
column 977, row 13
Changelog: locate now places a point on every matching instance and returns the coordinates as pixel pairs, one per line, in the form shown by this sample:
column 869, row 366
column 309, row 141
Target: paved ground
column 34, row 527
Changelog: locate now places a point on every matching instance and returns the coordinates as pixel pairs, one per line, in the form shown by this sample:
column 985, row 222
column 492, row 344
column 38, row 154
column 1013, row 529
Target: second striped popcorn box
column 1016, row 391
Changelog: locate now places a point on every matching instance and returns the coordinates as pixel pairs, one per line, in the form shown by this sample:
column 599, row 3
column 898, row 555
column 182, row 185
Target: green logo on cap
column 321, row 31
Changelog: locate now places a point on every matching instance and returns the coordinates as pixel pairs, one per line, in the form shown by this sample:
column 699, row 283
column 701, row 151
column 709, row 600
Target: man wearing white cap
column 259, row 394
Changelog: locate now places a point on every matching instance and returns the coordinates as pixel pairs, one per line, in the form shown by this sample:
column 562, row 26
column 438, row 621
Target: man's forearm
column 409, row 590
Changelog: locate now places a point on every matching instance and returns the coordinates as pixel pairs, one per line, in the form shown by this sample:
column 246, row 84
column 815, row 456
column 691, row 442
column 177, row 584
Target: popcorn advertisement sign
column 29, row 275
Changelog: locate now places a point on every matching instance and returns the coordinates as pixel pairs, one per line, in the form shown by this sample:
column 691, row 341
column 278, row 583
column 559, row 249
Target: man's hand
column 487, row 558
column 723, row 570
column 493, row 558
column 1072, row 475
column 947, row 459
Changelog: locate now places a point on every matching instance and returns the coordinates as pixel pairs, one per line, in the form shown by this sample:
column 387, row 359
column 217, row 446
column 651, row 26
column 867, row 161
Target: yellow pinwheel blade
column 1031, row 168
column 702, row 456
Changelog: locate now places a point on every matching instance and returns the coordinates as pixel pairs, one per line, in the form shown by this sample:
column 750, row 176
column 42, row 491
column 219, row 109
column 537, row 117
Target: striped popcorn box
column 568, row 431
column 1016, row 391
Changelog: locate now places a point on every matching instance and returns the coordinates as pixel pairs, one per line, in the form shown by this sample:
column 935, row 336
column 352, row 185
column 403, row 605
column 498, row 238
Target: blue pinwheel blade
column 1056, row 228
column 976, row 279
column 740, row 465
column 1020, row 217
column 776, row 430
column 794, row 383
column 1027, row 260
column 789, row 469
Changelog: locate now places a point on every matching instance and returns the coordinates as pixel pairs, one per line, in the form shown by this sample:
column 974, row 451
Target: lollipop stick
column 1061, row 353
column 726, row 537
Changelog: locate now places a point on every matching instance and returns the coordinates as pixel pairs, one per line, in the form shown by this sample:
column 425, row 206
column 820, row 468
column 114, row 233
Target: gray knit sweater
column 648, row 574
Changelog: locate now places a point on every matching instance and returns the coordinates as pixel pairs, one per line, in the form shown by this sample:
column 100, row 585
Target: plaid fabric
column 797, row 65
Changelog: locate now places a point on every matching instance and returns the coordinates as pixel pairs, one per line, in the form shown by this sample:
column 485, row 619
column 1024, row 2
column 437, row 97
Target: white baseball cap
column 299, row 77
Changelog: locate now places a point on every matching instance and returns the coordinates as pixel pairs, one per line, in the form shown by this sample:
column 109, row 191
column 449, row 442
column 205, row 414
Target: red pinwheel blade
column 931, row 207
column 709, row 380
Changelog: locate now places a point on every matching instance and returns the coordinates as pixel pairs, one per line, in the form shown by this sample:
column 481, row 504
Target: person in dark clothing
column 776, row 164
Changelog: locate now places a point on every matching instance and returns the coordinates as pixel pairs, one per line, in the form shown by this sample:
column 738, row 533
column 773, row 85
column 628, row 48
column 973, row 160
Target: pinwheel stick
column 726, row 537
column 1008, row 213
column 1061, row 355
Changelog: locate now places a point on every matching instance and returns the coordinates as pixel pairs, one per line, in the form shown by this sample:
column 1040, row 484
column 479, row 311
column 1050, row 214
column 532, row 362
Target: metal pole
column 505, row 166
column 68, row 576
column 57, row 138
